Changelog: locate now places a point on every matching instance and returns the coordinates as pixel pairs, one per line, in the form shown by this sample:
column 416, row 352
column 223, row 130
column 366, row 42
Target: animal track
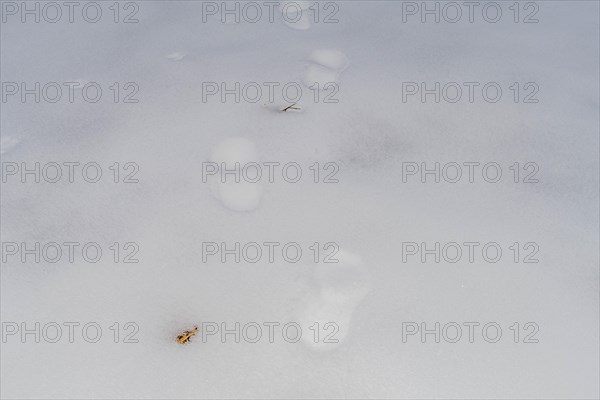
column 177, row 56
column 237, row 196
column 341, row 288
column 7, row 143
column 325, row 66
column 297, row 14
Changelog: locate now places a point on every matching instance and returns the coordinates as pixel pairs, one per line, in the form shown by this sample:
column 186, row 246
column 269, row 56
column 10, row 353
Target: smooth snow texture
column 370, row 132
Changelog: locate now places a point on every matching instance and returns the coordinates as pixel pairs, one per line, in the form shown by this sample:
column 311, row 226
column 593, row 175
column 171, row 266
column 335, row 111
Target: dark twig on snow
column 291, row 108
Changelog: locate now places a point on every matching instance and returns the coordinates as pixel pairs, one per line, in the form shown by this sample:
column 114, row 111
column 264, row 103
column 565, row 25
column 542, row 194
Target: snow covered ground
column 160, row 116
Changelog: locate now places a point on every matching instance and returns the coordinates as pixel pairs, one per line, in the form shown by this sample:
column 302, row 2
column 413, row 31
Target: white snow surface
column 369, row 133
